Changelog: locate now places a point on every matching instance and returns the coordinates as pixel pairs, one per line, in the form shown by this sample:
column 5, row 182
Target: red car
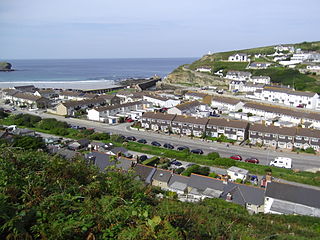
column 129, row 120
column 236, row 157
column 252, row 160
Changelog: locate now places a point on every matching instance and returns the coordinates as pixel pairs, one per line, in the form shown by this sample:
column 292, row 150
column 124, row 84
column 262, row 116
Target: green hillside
column 44, row 197
column 278, row 74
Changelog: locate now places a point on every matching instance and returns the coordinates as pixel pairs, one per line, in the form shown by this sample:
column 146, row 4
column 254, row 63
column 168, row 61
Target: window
column 228, row 129
column 306, row 138
column 267, row 135
column 298, row 138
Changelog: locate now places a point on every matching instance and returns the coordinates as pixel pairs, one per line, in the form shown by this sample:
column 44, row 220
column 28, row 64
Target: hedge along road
column 300, row 161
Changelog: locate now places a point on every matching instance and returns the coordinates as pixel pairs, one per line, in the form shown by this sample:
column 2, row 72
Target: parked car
column 177, row 163
column 154, row 143
column 131, row 138
column 236, row 157
column 182, row 148
column 82, row 128
column 143, row 158
column 142, row 141
column 129, row 120
column 197, row 151
column 252, row 160
column 168, row 145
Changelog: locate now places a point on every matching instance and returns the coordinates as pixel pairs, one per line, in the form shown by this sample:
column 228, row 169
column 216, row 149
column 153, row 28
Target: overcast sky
column 146, row 28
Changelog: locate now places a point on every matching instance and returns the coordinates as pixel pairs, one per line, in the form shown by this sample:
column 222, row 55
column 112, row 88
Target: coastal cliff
column 6, row 67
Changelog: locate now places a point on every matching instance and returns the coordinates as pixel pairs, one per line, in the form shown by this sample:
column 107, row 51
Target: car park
column 197, row 151
column 252, row 160
column 182, row 148
column 142, row 141
column 131, row 138
column 154, row 143
column 236, row 157
column 168, row 145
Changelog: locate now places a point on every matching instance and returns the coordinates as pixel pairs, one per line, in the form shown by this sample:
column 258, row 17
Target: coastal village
column 248, row 111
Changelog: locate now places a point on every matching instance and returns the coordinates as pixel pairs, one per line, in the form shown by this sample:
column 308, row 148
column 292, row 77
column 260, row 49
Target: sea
column 86, row 73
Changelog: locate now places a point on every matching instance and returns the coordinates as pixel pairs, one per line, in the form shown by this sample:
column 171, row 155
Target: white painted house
column 101, row 114
column 226, row 104
column 290, row 97
column 260, row 79
column 162, row 102
column 238, row 57
column 281, row 198
column 238, row 75
column 236, row 173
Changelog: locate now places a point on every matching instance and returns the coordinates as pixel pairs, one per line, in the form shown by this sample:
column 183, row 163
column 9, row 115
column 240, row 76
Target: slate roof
column 83, row 102
column 158, row 115
column 296, row 194
column 288, row 131
column 178, row 182
column 117, row 106
column 288, row 91
column 162, row 175
column 192, row 120
column 101, row 160
column 227, row 123
column 203, row 182
column 66, row 153
column 226, row 100
column 116, row 150
column 144, row 172
column 242, row 194
column 188, row 105
column 26, row 96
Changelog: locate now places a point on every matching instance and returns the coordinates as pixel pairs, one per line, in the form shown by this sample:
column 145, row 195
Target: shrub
column 197, row 169
column 151, row 161
column 213, row 155
column 310, row 150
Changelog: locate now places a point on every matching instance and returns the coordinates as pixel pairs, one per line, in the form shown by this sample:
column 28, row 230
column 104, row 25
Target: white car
column 282, row 162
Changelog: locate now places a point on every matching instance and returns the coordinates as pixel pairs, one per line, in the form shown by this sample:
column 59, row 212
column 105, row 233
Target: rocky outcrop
column 6, row 67
column 185, row 76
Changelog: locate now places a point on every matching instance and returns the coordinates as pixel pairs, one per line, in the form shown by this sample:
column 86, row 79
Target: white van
column 282, row 162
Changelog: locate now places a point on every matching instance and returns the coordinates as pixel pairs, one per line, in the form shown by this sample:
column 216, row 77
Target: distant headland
column 6, row 67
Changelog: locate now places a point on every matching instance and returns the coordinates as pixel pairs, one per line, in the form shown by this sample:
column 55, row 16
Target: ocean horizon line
column 120, row 58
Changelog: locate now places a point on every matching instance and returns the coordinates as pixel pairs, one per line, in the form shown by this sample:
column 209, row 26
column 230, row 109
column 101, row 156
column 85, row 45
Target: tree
column 28, row 142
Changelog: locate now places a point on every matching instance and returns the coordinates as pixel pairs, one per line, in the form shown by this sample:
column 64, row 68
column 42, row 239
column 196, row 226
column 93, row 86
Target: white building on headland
column 238, row 57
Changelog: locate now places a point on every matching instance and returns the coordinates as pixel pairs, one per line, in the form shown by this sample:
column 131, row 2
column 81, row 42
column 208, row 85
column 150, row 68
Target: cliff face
column 5, row 66
column 187, row 76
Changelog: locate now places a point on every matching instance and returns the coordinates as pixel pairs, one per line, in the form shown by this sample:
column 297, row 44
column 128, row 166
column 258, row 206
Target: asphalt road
column 300, row 161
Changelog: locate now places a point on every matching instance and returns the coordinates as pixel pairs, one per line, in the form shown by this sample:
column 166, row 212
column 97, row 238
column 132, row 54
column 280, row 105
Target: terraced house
column 277, row 137
column 290, row 97
column 190, row 126
column 306, row 138
column 157, row 121
column 232, row 129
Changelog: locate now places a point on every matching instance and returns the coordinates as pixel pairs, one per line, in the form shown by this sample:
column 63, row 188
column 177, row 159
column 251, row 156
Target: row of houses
column 270, row 114
column 276, row 198
column 247, row 77
column 288, row 96
column 273, row 136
